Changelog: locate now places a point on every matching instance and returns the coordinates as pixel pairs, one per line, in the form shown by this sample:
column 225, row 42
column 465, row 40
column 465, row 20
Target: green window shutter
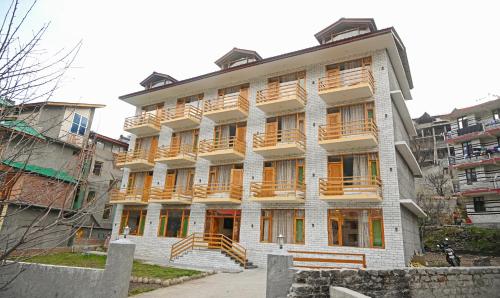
column 143, row 223
column 161, row 232
column 299, row 230
column 185, row 227
column 300, row 176
column 377, row 232
column 370, row 114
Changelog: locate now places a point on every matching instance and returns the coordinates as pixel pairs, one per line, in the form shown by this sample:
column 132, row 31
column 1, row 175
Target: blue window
column 79, row 125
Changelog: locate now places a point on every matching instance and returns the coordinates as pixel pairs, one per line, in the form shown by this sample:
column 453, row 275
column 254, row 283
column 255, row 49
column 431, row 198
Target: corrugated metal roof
column 47, row 172
column 21, row 126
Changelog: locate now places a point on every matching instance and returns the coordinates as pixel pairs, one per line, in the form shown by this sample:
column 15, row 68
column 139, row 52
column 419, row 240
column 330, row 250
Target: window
column 107, row 211
column 79, row 125
column 97, row 168
column 467, row 149
column 90, row 196
column 356, row 228
column 173, row 223
column 479, row 204
column 462, row 122
column 135, row 219
column 289, row 223
column 470, row 175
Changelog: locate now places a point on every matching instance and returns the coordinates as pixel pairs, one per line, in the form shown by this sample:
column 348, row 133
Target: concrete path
column 247, row 284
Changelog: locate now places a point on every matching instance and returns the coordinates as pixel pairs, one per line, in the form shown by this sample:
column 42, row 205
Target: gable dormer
column 157, row 79
column 237, row 57
column 345, row 28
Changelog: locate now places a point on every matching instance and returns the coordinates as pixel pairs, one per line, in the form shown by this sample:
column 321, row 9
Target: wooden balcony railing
column 186, row 111
column 132, row 195
column 346, row 78
column 282, row 136
column 134, row 155
column 212, row 241
column 353, row 184
column 142, row 119
column 352, row 128
column 176, row 150
column 227, row 102
column 169, row 193
column 277, row 188
column 222, row 144
column 71, row 138
column 202, row 191
column 281, row 91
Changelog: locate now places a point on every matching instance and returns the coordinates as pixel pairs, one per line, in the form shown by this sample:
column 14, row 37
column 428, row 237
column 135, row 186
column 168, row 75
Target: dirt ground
column 439, row 260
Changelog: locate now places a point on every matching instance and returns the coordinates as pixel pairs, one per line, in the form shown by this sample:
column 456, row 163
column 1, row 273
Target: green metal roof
column 5, row 103
column 47, row 172
column 21, row 126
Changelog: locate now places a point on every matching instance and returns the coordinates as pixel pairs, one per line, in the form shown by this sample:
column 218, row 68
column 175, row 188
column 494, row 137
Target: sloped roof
column 482, row 107
column 155, row 76
column 237, row 52
column 344, row 24
column 22, row 127
column 62, row 104
column 46, row 172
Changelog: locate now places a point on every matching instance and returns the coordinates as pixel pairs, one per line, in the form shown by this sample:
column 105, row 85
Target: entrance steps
column 207, row 259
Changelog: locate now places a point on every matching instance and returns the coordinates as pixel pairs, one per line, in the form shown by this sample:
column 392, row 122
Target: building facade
column 474, row 136
column 308, row 148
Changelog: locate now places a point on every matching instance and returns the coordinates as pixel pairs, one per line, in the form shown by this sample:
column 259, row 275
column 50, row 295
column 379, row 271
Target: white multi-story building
column 308, row 148
column 475, row 139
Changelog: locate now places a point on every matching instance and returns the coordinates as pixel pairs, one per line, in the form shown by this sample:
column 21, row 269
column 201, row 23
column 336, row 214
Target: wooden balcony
column 181, row 117
column 287, row 96
column 171, row 195
column 182, row 155
column 142, row 125
column 232, row 106
column 136, row 160
column 284, row 142
column 278, row 192
column 225, row 149
column 347, row 86
column 344, row 136
column 135, row 196
column 350, row 189
column 216, row 193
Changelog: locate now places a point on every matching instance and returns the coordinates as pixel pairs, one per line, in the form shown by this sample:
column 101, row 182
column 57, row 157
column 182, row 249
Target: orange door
column 335, row 179
column 131, row 183
column 138, row 144
column 334, row 125
column 153, row 148
column 268, row 184
column 169, row 185
column 147, row 186
column 175, row 143
column 236, row 183
column 271, row 137
column 240, row 138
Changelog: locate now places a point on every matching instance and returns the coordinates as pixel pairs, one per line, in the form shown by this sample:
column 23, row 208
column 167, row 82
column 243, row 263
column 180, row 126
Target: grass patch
column 139, row 269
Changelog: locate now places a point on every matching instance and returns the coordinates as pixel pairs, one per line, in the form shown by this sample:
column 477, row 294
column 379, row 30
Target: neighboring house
column 310, row 148
column 475, row 137
column 430, row 149
column 45, row 160
column 104, row 178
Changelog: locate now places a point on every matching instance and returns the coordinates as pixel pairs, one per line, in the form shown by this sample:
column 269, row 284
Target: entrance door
column 335, row 185
column 334, row 125
column 225, row 222
column 269, row 182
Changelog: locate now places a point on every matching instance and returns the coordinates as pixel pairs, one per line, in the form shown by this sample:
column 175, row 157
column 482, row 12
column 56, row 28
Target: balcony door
column 334, row 124
column 269, row 182
column 148, row 181
column 220, row 178
column 347, row 73
column 271, row 137
column 236, row 183
column 154, row 110
column 169, row 184
column 282, row 175
column 225, row 135
column 185, row 139
column 335, row 185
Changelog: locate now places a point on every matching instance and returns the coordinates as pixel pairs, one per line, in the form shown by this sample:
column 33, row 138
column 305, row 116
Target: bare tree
column 422, row 149
column 438, row 182
column 29, row 74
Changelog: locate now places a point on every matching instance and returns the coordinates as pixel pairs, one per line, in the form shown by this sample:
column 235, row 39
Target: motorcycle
column 451, row 257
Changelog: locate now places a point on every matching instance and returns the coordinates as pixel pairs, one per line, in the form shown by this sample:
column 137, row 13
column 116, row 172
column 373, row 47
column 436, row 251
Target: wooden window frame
column 126, row 216
column 164, row 213
column 337, row 215
column 296, row 217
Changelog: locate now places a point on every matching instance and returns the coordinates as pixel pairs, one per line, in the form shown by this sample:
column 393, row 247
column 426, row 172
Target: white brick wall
column 316, row 238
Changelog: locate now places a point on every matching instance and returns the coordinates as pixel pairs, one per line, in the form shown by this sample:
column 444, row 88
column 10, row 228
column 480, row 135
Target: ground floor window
column 286, row 222
column 173, row 223
column 356, row 227
column 479, row 205
column 134, row 219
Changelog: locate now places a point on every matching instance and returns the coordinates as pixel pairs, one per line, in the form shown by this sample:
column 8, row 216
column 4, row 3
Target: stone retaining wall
column 411, row 282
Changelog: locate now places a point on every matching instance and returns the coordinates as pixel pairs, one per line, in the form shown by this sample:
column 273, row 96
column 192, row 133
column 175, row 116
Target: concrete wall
column 37, row 280
column 423, row 282
column 411, row 234
column 150, row 246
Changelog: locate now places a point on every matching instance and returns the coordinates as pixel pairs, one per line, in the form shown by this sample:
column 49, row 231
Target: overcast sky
column 452, row 48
